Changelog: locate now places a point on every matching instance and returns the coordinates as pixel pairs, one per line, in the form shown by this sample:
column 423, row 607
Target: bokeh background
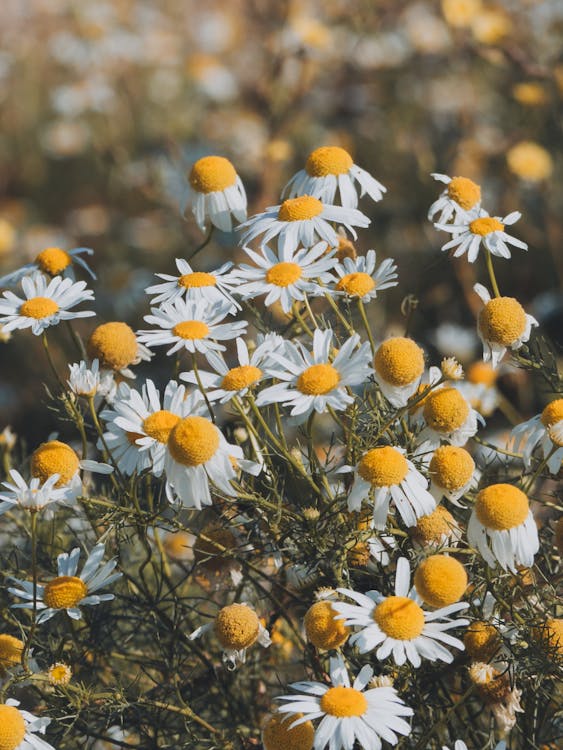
column 105, row 104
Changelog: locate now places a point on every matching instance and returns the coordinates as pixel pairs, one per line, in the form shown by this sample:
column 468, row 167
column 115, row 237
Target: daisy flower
column 460, row 196
column 69, row 591
column 301, row 221
column 359, row 278
column 86, row 380
column 191, row 325
column 116, row 348
column 449, row 417
column 348, row 711
column 437, row 529
column 545, row 430
column 399, row 364
column 452, row 473
column 212, row 286
column 398, row 625
column 330, row 169
column 216, row 193
column 322, row 628
column 310, row 381
column 502, row 324
column 480, row 387
column 20, row 728
column 286, row 276
column 32, row 496
column 278, row 735
column 53, row 261
column 482, row 229
column 46, row 303
column 440, row 580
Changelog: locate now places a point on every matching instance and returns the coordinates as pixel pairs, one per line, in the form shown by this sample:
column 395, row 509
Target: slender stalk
column 205, row 242
column 491, row 271
column 367, row 326
column 33, row 628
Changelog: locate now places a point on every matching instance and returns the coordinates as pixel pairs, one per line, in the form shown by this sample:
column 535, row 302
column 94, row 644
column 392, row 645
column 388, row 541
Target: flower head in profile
column 452, row 473
column 480, row 387
column 217, row 194
column 87, row 381
column 448, row 417
column 460, row 197
column 33, row 495
column 359, row 278
column 545, row 430
column 210, row 286
column 52, row 261
column 116, row 347
column 19, row 729
column 482, row 230
column 399, row 364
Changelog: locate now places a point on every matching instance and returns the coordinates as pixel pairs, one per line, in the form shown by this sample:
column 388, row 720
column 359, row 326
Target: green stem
column 362, row 310
column 205, row 242
column 33, row 628
column 491, row 270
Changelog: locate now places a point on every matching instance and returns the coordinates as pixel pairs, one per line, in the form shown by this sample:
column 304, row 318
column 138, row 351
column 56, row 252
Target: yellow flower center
column 197, row 280
column 53, row 260
column 344, row 701
column 12, row 728
column 485, row 226
column 54, row 457
column 552, row 635
column 399, row 617
column 328, row 160
column 502, row 320
column 284, row 274
column 10, row 651
column 399, row 361
column 322, row 630
column 445, row 410
column 277, row 735
column 530, row 161
column 59, row 674
column 383, row 467
column 318, row 380
column 160, row 424
column 460, row 13
column 359, row 555
column 451, row 467
column 212, row 174
column 433, row 527
column 300, row 209
column 481, row 640
column 493, row 686
column 237, row 626
column 501, row 506
column 552, row 413
column 210, row 547
column 440, row 580
column 178, row 544
column 191, row 329
column 464, row 192
column 39, row 308
column 193, row 441
column 64, row 592
column 114, row 344
column 481, row 373
column 241, row 377
column 356, row 284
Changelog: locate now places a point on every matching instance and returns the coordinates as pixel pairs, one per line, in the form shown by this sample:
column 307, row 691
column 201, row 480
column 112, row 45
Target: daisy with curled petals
column 87, row 380
column 53, row 261
column 482, row 229
column 46, row 303
column 449, row 418
column 216, row 193
column 460, row 197
column 398, row 626
column 399, row 365
column 212, row 286
column 194, row 326
column 69, row 591
column 19, row 728
column 116, row 347
column 502, row 324
column 310, row 381
column 359, row 278
column 545, row 430
column 330, row 169
column 301, row 222
column 286, row 276
column 348, row 711
column 32, row 496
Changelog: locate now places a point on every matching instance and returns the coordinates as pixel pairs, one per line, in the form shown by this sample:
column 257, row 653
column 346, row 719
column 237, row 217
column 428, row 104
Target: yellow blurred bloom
column 530, row 94
column 529, row 161
column 491, row 26
column 460, row 13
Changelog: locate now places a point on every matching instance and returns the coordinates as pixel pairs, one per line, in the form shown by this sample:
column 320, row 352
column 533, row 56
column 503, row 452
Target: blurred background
column 105, row 105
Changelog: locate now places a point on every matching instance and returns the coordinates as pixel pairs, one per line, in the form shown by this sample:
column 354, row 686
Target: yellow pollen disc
column 399, row 361
column 346, row 249
column 197, row 280
column 356, row 284
column 322, row 630
column 178, row 544
column 435, row 526
column 59, row 674
column 300, row 209
column 10, row 651
column 440, row 580
column 464, row 192
column 481, row 373
column 359, row 556
column 54, row 457
column 481, row 640
column 318, row 380
column 160, row 424
column 445, row 410
column 530, row 161
column 328, row 160
column 191, row 329
column 493, row 686
column 399, row 617
column 451, row 468
column 485, row 226
column 210, row 547
column 501, row 506
column 237, row 626
column 64, row 592
column 53, row 260
column 284, row 274
column 344, row 701
column 551, row 634
column 277, row 735
column 12, row 728
column 241, row 377
column 114, row 344
column 383, row 467
column 193, row 441
column 38, row 308
column 212, row 174
column 502, row 320
column 552, row 413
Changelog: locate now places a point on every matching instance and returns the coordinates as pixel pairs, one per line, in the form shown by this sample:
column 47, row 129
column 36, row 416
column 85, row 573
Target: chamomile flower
column 212, row 286
column 331, row 169
column 53, row 261
column 482, row 229
column 285, row 276
column 437, row 529
column 310, row 381
column 301, row 222
column 348, row 711
column 322, row 628
column 399, row 364
column 460, row 197
column 502, row 527
column 191, row 325
column 33, row 495
column 69, row 591
column 45, row 304
column 278, row 735
column 440, row 580
column 397, row 625
column 480, row 387
column 452, row 473
column 85, row 380
column 359, row 278
column 216, row 193
column 545, row 430
column 18, row 728
column 116, row 347
column 503, row 324
column 448, row 417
